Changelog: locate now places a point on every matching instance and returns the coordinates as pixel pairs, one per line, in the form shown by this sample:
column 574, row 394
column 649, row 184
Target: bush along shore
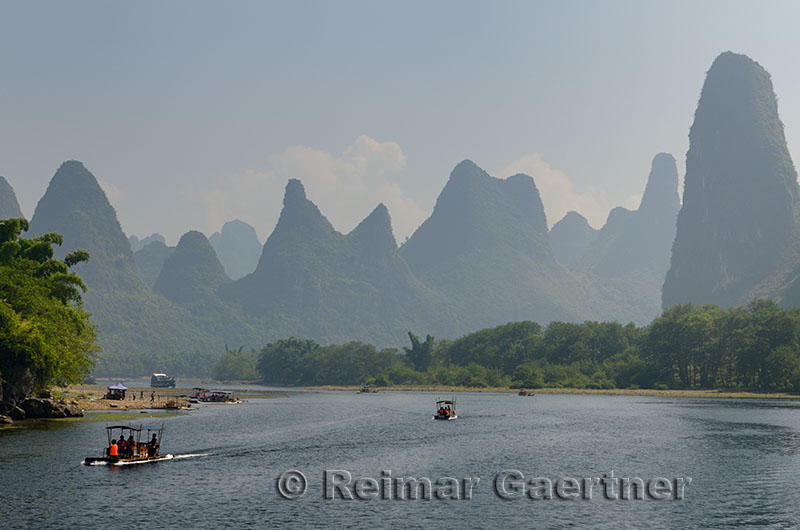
column 689, row 347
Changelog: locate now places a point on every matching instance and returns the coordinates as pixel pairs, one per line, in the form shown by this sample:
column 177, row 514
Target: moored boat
column 159, row 380
column 217, row 396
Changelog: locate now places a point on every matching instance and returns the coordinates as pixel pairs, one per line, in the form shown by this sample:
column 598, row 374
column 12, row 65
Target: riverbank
column 726, row 393
column 90, row 397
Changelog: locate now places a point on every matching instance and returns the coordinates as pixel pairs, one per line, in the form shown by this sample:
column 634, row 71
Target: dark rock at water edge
column 35, row 408
column 17, row 384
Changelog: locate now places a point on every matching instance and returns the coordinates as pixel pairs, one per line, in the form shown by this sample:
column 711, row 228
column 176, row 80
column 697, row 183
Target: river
column 735, row 462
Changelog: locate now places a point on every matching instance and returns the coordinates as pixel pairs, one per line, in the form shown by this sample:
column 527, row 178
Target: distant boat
column 138, row 452
column 215, row 396
column 162, row 381
column 445, row 409
column 366, row 389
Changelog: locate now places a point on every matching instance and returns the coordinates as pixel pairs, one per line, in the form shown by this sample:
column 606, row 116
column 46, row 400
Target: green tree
column 236, row 365
column 419, row 354
column 44, row 331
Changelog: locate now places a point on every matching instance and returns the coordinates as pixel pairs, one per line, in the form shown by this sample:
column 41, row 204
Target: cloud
column 559, row 194
column 346, row 187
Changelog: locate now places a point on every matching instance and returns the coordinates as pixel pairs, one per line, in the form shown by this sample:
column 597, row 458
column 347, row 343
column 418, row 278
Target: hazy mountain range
column 484, row 257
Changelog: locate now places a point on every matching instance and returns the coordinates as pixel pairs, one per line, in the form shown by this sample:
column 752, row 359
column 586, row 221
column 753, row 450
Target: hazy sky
column 194, row 113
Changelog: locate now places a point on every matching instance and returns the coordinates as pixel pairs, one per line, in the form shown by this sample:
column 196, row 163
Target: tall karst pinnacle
column 740, row 194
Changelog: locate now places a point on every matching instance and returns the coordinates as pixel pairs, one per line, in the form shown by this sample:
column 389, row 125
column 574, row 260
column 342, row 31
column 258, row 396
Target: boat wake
column 192, row 455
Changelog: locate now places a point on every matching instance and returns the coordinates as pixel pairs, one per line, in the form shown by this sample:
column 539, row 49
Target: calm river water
column 743, row 457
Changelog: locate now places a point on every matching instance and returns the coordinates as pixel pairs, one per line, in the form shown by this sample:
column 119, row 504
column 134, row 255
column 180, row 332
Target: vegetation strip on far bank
column 720, row 393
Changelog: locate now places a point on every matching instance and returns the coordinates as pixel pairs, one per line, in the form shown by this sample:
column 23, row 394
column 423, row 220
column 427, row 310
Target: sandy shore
column 90, row 397
column 611, row 392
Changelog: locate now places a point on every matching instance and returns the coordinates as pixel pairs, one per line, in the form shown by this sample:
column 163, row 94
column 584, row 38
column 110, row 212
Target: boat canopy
column 124, row 427
column 118, row 386
column 221, row 392
column 445, row 402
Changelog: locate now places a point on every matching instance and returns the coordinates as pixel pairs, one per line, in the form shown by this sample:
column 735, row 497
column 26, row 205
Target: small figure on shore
column 141, row 395
column 152, row 396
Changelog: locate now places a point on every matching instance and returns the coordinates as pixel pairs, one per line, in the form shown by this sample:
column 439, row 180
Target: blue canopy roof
column 118, row 386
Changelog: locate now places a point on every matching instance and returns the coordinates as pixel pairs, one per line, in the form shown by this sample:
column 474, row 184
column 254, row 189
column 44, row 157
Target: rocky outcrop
column 19, row 405
column 35, row 408
column 17, row 384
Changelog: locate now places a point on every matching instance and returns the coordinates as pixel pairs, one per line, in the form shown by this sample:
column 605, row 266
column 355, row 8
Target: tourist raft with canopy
column 134, row 449
column 445, row 409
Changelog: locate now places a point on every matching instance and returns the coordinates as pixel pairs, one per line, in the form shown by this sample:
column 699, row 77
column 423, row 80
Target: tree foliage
column 43, row 327
column 688, row 346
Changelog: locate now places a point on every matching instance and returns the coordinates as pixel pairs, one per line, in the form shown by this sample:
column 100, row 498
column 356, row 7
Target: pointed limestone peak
column 740, row 191
column 466, row 168
column 661, row 192
column 295, row 193
column 75, row 206
column 375, row 231
column 572, row 223
column 298, row 209
column 9, row 207
column 570, row 237
column 300, row 225
column 616, row 217
column 192, row 271
column 478, row 211
column 238, row 228
column 238, row 248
